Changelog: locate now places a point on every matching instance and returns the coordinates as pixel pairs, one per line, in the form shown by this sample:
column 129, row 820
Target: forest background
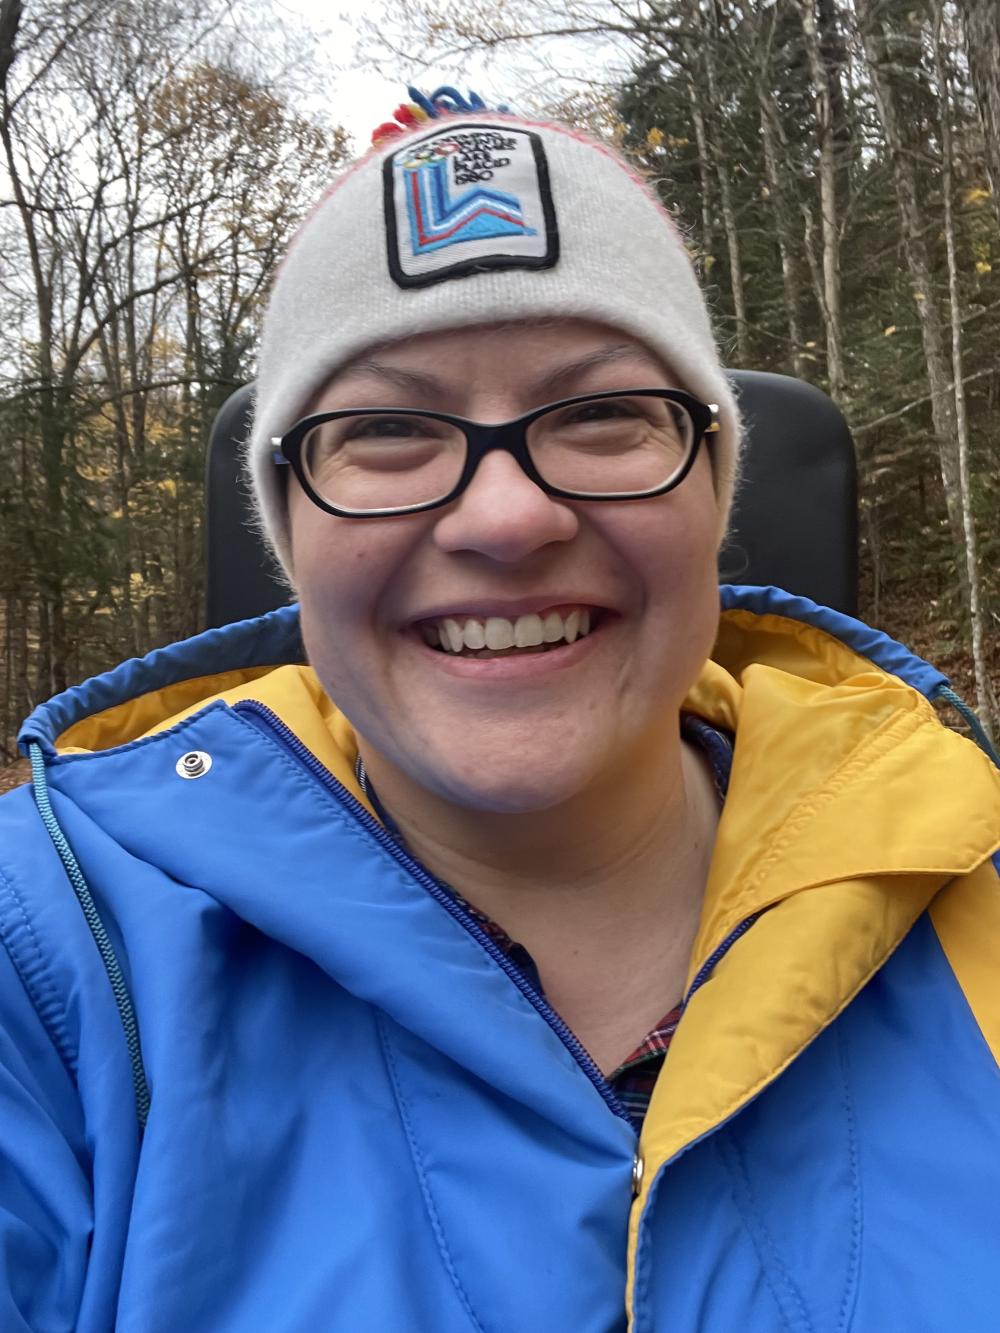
column 835, row 165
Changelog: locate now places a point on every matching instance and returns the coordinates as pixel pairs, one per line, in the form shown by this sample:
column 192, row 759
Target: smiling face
column 610, row 607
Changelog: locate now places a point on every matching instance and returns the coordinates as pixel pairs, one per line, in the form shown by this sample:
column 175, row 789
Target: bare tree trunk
column 981, row 19
column 704, row 166
column 22, row 692
column 823, row 99
column 776, row 151
column 874, row 533
column 918, row 261
column 957, row 361
column 7, row 723
column 10, row 21
column 706, row 58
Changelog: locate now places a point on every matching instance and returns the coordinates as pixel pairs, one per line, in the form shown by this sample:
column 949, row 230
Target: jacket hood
column 850, row 807
column 833, row 721
column 834, row 724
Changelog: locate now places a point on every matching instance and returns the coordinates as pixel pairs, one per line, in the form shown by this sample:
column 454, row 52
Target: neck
column 604, row 890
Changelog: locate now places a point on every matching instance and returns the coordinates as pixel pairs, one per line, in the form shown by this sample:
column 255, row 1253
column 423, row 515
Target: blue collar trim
column 871, row 643
column 269, row 640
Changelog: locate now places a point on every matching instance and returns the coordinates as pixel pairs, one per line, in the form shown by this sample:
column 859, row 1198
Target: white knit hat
column 471, row 218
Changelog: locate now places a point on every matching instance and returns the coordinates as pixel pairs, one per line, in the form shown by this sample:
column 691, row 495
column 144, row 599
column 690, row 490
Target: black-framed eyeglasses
column 628, row 444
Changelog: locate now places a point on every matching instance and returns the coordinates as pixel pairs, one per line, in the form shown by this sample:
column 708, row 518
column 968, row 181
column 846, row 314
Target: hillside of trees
column 834, row 163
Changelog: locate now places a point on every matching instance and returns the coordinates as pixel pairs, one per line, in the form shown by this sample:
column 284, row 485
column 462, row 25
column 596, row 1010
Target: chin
column 494, row 791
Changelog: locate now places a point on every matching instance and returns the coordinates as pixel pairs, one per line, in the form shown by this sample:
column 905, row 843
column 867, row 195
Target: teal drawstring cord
column 946, row 693
column 90, row 912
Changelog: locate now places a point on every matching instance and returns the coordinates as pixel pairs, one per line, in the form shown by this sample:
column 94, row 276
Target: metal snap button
column 194, row 764
column 637, row 1170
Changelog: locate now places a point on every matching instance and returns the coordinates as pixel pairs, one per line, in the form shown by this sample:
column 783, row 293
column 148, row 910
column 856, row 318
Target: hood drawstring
column 948, row 695
column 123, row 1000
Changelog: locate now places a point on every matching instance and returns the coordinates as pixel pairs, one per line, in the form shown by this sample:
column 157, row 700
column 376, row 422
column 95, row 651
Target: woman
column 363, row 1023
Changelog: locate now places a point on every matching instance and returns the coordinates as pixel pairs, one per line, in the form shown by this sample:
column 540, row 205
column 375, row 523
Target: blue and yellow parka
column 259, row 1071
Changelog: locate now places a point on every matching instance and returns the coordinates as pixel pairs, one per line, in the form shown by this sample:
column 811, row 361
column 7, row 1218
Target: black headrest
column 794, row 524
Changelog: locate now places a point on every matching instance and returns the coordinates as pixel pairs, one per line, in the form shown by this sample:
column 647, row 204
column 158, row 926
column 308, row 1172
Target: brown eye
column 385, row 428
column 600, row 411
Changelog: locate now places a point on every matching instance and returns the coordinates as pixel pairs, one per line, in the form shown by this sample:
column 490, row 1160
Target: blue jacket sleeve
column 46, row 1212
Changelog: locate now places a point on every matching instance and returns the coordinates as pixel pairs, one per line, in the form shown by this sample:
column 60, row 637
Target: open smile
column 480, row 637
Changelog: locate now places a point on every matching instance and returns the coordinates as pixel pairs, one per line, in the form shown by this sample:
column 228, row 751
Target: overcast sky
column 362, row 98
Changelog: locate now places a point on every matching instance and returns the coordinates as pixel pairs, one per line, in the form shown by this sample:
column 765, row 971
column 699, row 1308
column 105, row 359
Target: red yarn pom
column 385, row 131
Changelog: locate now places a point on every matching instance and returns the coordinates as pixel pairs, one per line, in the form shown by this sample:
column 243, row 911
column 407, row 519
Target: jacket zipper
column 270, row 724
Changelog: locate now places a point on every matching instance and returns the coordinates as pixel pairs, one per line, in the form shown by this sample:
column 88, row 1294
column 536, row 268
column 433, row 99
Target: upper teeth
column 496, row 632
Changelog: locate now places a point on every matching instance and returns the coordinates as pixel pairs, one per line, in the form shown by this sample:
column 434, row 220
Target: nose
column 503, row 514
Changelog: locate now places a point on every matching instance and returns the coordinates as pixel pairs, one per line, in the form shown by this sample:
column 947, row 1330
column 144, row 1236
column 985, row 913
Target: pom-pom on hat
column 461, row 215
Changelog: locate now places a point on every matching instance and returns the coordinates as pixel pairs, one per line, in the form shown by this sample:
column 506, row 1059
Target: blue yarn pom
column 449, row 99
column 425, row 104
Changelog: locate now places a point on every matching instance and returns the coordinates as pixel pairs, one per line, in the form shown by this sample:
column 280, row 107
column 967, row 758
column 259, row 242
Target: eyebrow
column 573, row 370
column 429, row 386
column 403, row 379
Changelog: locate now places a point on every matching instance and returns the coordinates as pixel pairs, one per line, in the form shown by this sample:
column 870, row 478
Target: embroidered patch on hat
column 467, row 199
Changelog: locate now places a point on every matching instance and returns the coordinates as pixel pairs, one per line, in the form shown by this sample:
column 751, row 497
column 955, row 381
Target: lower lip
column 521, row 666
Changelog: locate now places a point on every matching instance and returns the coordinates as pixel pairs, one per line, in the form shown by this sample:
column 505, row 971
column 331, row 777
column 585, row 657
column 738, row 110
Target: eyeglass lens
column 599, row 446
